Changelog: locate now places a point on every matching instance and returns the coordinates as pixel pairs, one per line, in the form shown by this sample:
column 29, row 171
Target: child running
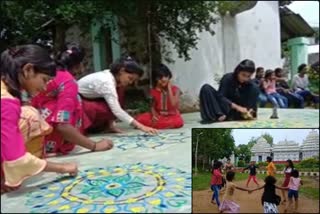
column 228, row 205
column 252, row 174
column 269, row 199
column 294, row 185
column 60, row 105
column 287, row 174
column 28, row 68
column 165, row 106
column 216, row 182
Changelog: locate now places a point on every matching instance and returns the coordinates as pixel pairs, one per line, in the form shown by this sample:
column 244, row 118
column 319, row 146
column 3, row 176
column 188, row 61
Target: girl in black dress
column 270, row 200
column 236, row 98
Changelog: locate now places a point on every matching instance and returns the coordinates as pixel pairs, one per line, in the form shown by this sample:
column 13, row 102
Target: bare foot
column 114, row 130
column 111, row 128
column 222, row 118
column 103, row 145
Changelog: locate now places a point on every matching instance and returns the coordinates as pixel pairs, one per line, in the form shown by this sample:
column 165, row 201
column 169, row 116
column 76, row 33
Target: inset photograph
column 255, row 170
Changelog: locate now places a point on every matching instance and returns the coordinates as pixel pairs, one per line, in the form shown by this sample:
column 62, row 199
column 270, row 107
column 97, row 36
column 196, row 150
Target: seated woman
column 102, row 93
column 262, row 99
column 300, row 84
column 60, row 106
column 283, row 89
column 165, row 106
column 236, row 99
column 269, row 86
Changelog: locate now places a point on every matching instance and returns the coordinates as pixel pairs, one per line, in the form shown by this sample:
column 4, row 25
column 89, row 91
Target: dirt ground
column 249, row 203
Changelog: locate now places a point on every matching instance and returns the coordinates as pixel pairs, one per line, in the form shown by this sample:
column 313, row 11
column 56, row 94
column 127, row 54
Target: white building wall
column 255, row 156
column 310, row 154
column 253, row 34
column 258, row 33
column 285, row 155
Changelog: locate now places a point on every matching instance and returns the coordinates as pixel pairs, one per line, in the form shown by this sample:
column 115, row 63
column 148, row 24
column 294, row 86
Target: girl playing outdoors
column 25, row 68
column 269, row 199
column 236, row 99
column 165, row 103
column 294, row 185
column 228, row 205
column 102, row 94
column 216, row 182
column 287, row 174
column 252, row 174
column 269, row 86
column 61, row 107
column 271, row 168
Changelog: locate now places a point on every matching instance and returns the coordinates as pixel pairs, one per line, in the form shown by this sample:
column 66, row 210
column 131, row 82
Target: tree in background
column 252, row 141
column 268, row 138
column 214, row 144
column 243, row 152
column 142, row 22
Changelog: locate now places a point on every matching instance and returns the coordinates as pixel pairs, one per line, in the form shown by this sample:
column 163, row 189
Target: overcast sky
column 242, row 136
column 309, row 10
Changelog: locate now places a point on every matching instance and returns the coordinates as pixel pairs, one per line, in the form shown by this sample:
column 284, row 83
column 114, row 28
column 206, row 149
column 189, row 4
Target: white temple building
column 261, row 150
column 310, row 146
column 285, row 149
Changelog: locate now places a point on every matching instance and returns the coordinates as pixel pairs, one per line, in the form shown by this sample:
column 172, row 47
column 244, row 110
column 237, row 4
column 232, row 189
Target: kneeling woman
column 102, row 93
column 24, row 68
column 236, row 99
column 60, row 106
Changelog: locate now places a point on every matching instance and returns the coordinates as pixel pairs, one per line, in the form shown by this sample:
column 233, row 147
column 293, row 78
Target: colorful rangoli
column 128, row 188
column 134, row 141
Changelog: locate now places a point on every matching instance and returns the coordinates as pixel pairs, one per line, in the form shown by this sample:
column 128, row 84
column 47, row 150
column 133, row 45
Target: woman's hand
column 241, row 109
column 144, row 128
column 148, row 130
column 102, row 145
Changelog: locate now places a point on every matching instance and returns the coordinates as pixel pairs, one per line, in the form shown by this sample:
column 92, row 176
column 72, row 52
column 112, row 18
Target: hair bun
column 14, row 51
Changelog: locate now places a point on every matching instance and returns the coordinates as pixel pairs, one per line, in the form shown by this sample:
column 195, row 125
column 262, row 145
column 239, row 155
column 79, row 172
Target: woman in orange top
column 271, row 169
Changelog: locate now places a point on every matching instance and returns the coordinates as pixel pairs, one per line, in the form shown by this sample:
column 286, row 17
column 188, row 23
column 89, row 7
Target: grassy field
column 310, row 187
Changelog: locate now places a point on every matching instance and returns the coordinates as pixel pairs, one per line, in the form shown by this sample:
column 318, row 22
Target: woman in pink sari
column 60, row 106
column 23, row 68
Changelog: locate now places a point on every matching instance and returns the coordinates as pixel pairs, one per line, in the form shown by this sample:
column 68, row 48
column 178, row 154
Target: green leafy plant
column 313, row 74
column 176, row 21
column 241, row 163
column 310, row 163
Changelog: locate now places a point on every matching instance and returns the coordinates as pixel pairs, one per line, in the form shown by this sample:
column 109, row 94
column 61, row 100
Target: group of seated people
column 241, row 91
column 43, row 104
column 275, row 89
